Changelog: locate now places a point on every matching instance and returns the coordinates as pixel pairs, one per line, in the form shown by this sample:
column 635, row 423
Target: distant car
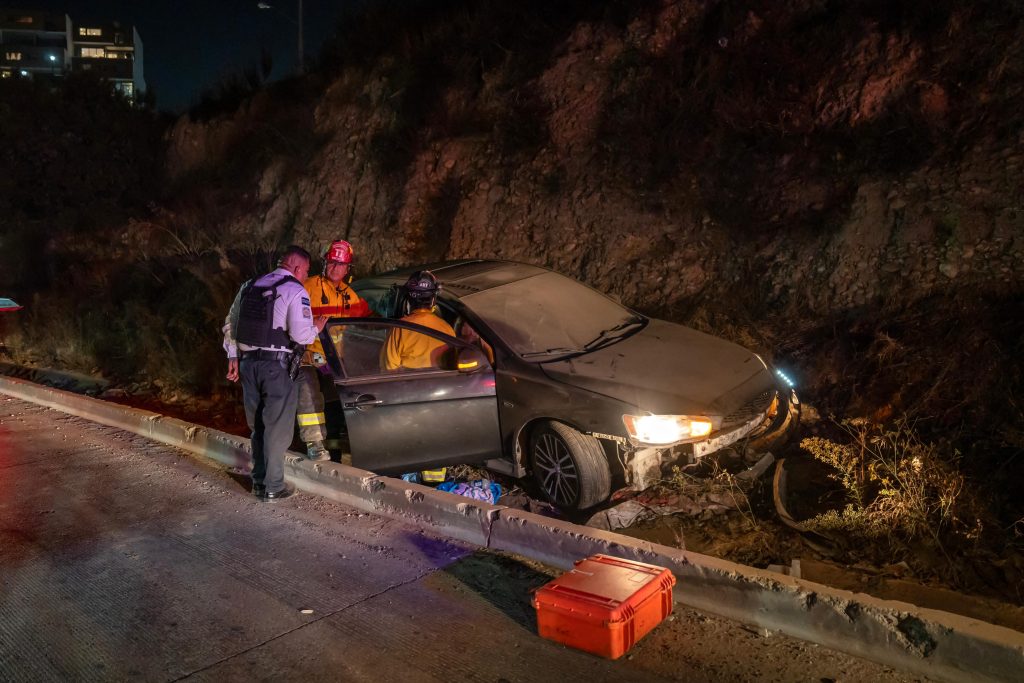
column 8, row 305
column 548, row 377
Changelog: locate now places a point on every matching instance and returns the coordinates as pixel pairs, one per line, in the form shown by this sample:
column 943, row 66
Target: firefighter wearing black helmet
column 410, row 349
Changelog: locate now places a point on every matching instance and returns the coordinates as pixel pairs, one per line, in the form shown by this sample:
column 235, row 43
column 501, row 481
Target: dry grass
column 904, row 495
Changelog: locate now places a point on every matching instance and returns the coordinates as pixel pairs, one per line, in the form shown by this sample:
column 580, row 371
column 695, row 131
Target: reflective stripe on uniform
column 309, row 419
column 434, row 476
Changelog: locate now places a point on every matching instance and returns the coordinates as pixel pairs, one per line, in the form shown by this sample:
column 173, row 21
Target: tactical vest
column 256, row 316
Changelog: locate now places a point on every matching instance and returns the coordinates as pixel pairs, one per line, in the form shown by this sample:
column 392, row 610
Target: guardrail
column 928, row 642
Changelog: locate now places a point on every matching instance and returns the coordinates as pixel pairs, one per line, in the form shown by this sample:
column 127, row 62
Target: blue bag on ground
column 478, row 489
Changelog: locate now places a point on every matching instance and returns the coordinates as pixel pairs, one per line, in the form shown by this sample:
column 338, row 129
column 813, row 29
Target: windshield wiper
column 613, row 334
column 560, row 350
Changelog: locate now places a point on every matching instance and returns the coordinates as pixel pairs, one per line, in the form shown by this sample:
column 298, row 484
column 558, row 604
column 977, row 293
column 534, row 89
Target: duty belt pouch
column 295, row 360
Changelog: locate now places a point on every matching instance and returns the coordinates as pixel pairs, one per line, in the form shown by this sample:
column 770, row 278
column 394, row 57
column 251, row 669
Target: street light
column 300, row 60
column 53, row 63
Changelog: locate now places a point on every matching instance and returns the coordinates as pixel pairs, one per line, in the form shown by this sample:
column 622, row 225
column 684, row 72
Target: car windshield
column 550, row 316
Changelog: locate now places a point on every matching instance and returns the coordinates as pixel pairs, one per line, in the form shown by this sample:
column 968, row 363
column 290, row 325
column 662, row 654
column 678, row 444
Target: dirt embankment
column 881, row 182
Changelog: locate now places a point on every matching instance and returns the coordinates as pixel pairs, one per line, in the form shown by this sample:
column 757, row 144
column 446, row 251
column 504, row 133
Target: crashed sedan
column 545, row 377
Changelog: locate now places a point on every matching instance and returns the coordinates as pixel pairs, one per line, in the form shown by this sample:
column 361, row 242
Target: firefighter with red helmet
column 330, row 296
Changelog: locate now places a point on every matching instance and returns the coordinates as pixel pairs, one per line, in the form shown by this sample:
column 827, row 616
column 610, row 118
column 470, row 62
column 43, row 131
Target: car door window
column 361, row 350
column 356, row 348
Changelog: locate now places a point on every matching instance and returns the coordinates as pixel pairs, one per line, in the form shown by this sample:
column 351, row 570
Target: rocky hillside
column 827, row 155
column 836, row 184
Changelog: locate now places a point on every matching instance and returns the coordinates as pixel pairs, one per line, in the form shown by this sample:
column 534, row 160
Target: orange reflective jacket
column 334, row 302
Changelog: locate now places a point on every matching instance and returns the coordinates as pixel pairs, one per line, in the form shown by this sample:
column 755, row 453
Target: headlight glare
column 665, row 429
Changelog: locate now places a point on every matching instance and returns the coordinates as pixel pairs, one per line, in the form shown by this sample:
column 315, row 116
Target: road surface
column 124, row 559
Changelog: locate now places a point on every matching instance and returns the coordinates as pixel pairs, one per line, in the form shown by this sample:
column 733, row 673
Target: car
column 8, row 305
column 547, row 377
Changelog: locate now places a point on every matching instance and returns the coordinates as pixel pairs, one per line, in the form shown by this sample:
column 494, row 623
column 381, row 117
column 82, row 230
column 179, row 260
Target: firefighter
column 406, row 348
column 270, row 321
column 330, row 296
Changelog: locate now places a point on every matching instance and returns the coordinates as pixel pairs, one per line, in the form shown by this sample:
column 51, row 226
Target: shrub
column 901, row 491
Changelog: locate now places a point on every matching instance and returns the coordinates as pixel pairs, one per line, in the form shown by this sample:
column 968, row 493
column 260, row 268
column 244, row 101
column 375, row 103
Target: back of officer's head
column 292, row 255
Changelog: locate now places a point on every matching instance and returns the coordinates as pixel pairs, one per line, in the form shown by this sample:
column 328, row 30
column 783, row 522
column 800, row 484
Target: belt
column 264, row 354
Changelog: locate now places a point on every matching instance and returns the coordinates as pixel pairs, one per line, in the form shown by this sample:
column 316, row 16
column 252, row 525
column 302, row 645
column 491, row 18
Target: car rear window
column 546, row 315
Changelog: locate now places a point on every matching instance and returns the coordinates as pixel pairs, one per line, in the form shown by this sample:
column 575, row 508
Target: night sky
column 189, row 44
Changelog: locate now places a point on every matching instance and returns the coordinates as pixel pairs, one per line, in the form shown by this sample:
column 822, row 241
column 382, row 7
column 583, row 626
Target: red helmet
column 340, row 251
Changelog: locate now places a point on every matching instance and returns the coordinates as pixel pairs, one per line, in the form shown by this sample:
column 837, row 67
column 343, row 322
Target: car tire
column 570, row 467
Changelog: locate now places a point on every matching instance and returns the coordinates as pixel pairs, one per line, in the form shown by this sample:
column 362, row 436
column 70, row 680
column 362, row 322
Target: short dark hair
column 293, row 250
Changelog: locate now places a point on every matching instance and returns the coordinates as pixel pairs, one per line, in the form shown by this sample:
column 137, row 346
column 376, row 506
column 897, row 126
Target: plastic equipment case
column 604, row 604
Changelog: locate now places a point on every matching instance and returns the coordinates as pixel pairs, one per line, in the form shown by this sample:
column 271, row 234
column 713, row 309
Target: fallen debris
column 622, row 516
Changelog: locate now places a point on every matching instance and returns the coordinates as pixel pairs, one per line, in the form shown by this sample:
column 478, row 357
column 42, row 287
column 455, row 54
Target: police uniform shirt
column 291, row 312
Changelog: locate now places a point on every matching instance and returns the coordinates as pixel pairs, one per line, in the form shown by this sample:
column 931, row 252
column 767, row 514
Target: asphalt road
column 124, row 559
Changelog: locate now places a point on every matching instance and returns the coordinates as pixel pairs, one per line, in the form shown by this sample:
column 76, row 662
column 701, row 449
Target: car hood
column 668, row 369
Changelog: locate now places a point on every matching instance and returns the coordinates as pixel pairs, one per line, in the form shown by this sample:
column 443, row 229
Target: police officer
column 269, row 321
column 330, row 296
column 406, row 348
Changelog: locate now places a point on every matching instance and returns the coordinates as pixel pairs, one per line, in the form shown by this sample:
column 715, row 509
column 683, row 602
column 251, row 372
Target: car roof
column 464, row 277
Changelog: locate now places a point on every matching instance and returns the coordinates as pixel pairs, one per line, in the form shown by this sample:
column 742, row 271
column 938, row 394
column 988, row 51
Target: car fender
column 522, row 442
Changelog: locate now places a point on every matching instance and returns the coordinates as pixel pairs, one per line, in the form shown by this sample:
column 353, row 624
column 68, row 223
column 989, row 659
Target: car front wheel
column 570, row 467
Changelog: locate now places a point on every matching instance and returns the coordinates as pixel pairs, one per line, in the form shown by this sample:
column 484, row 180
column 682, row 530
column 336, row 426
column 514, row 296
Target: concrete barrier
column 453, row 516
column 932, row 643
column 936, row 644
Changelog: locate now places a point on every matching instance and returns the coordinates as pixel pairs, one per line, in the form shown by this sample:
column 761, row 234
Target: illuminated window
column 93, row 52
column 83, row 31
column 13, row 56
column 5, row 74
column 24, row 20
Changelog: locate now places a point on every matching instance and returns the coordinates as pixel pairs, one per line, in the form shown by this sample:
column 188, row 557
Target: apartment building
column 34, row 44
column 47, row 45
column 112, row 51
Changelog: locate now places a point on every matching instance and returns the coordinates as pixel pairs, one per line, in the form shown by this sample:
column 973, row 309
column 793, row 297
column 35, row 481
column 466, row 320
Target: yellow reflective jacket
column 409, row 349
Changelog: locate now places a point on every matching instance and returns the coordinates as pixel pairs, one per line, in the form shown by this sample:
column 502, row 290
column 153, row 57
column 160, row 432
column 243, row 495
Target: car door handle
column 364, row 401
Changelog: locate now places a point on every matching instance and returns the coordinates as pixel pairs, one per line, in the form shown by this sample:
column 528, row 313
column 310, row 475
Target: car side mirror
column 470, row 359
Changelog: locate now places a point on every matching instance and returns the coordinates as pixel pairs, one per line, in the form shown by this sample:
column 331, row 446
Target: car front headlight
column 666, row 429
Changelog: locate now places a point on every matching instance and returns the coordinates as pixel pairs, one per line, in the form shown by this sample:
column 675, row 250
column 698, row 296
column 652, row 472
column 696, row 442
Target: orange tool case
column 604, row 604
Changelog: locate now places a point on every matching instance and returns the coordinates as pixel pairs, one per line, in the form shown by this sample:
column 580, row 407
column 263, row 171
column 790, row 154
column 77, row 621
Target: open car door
column 402, row 420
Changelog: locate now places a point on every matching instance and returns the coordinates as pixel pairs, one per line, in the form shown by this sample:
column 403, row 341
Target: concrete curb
column 931, row 643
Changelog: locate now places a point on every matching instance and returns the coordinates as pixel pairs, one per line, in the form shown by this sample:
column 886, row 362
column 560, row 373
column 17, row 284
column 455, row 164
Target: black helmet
column 422, row 287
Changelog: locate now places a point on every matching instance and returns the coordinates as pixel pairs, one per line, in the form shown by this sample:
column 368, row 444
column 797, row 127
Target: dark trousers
column 270, row 396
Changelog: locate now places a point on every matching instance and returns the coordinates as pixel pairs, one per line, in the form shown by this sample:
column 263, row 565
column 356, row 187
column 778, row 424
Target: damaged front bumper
column 757, row 427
